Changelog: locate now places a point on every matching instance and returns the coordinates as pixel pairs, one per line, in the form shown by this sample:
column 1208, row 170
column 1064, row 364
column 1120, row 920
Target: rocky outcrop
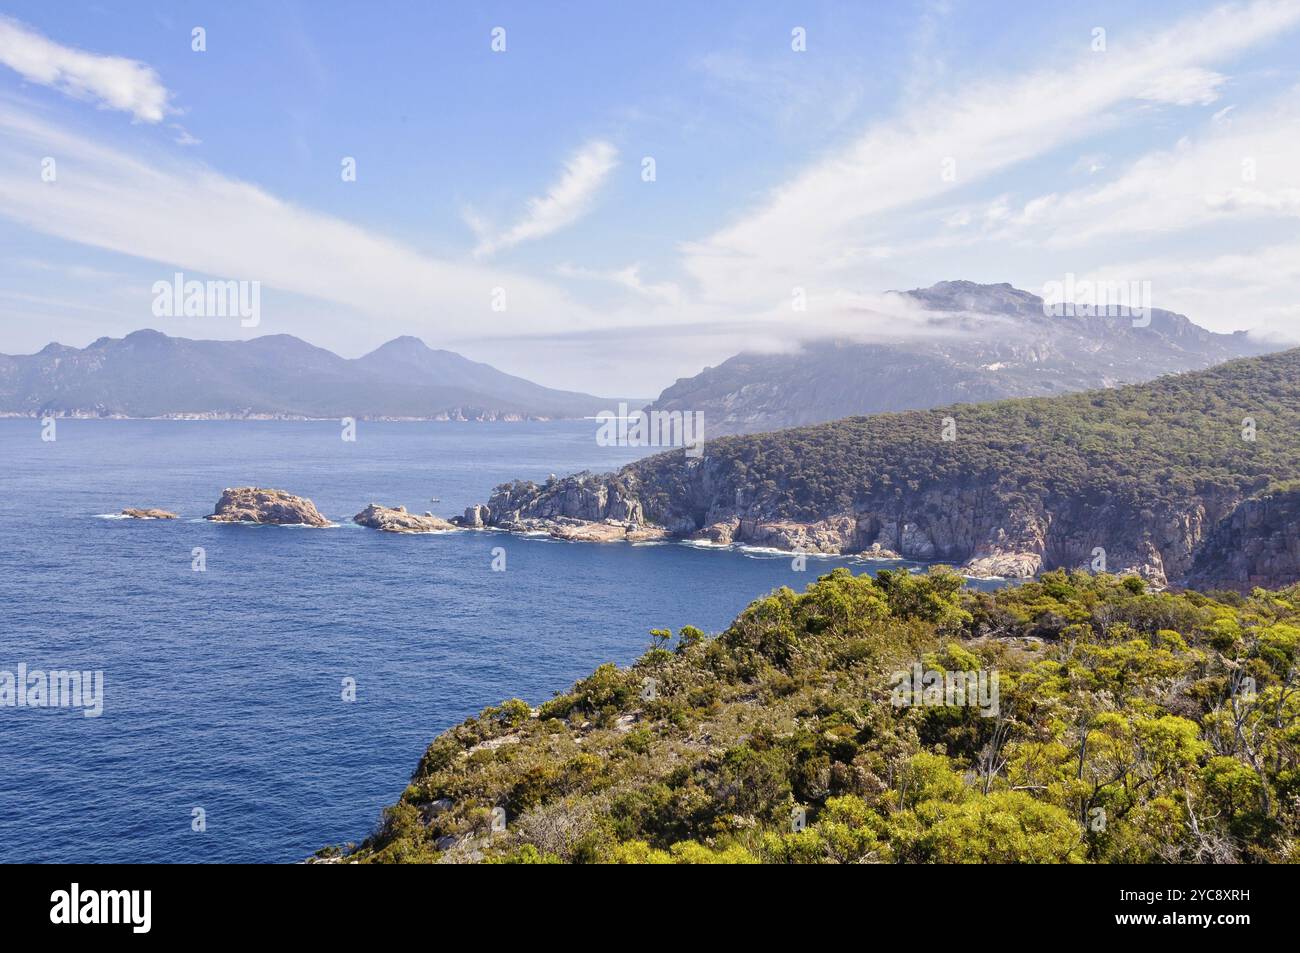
column 476, row 516
column 583, row 496
column 391, row 519
column 148, row 514
column 582, row 508
column 251, row 504
column 1257, row 544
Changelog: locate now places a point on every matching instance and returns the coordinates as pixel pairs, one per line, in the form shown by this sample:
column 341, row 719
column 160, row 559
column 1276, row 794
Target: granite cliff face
column 981, row 530
column 251, row 504
column 1158, row 480
column 1257, row 544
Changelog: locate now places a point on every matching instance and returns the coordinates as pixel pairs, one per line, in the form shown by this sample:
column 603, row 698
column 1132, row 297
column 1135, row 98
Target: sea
column 264, row 691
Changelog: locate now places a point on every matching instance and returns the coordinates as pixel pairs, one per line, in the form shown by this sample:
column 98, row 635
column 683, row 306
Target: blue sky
column 907, row 144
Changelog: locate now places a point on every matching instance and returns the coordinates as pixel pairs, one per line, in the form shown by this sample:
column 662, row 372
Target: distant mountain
column 978, row 342
column 148, row 374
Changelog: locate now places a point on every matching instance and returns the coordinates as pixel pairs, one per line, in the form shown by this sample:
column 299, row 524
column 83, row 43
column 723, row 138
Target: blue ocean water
column 223, row 688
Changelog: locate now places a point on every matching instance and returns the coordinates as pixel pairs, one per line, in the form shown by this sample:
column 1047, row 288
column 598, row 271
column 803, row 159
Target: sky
column 607, row 197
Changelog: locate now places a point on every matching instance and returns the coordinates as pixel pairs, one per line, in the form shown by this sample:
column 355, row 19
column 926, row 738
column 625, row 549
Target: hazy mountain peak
column 149, row 374
column 405, row 342
column 1001, row 345
column 970, row 296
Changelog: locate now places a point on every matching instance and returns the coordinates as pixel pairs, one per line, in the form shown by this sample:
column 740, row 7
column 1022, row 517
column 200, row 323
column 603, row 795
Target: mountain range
column 974, row 342
column 966, row 342
column 149, row 374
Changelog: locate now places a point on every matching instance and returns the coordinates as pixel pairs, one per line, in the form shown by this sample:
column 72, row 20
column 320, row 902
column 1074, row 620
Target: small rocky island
column 251, row 504
column 390, row 519
column 136, row 513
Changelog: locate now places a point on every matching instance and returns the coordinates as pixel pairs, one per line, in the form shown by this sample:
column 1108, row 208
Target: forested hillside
column 1148, row 475
column 1129, row 726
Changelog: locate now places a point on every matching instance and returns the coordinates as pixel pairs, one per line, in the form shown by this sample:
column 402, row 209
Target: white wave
column 255, row 523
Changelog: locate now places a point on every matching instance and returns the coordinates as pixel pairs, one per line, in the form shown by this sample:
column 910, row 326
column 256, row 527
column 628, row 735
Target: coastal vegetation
column 1130, row 726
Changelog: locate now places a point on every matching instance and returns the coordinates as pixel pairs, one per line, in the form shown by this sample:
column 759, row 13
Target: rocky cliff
column 1257, row 544
column 982, row 530
column 1157, row 479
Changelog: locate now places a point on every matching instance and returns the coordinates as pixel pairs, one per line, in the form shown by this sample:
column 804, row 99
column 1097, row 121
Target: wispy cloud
column 113, row 82
column 183, row 215
column 563, row 204
column 816, row 229
column 628, row 278
column 1255, row 289
column 1246, row 167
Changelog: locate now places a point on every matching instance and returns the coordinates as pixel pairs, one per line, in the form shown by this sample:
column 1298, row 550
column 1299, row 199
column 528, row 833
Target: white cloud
column 835, row 229
column 1248, row 168
column 811, row 220
column 1092, row 163
column 184, row 216
column 562, row 205
column 1184, row 87
column 1256, row 289
column 114, row 82
column 629, row 278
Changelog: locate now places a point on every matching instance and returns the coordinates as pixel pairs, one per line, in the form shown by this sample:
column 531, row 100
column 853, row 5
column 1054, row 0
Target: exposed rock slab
column 252, row 504
column 395, row 519
column 148, row 514
column 1011, row 565
column 585, row 531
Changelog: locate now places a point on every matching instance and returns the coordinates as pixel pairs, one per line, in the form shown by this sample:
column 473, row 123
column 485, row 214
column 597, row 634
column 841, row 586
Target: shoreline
column 746, row 549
